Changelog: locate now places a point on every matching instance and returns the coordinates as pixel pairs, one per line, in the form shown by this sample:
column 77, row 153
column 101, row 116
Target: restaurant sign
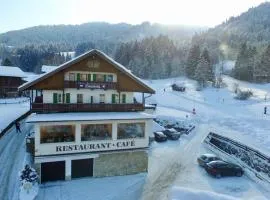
column 114, row 145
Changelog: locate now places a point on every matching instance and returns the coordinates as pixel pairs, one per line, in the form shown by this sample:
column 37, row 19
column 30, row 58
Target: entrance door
column 52, row 171
column 81, row 168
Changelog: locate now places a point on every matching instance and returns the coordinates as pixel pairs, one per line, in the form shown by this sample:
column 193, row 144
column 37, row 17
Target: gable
column 55, row 79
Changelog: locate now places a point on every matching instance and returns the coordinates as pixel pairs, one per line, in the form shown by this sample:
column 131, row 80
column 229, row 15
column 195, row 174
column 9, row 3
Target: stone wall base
column 120, row 163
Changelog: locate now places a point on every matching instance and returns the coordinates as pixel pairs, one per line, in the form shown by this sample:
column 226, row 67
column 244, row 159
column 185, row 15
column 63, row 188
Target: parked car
column 160, row 137
column 172, row 134
column 206, row 158
column 222, row 168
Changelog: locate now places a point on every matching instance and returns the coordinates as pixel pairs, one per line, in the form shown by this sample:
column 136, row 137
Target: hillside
column 252, row 27
column 97, row 32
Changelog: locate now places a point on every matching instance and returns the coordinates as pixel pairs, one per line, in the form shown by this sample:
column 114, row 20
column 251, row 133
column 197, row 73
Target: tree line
column 251, row 65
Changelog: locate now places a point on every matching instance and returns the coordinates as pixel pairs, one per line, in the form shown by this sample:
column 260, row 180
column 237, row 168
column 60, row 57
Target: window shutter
column 67, row 97
column 123, row 98
column 89, row 77
column 78, row 77
column 113, row 98
column 55, row 98
column 94, row 77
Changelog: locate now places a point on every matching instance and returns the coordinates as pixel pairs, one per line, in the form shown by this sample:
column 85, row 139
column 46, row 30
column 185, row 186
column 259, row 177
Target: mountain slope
column 71, row 35
column 252, row 27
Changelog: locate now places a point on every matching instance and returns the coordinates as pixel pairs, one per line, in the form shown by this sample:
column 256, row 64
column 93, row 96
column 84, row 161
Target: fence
column 257, row 162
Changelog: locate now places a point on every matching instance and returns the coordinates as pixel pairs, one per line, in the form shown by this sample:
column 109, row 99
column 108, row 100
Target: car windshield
column 203, row 157
column 218, row 164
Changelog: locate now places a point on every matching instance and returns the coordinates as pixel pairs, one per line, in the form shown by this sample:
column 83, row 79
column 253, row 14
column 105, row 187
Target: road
column 12, row 158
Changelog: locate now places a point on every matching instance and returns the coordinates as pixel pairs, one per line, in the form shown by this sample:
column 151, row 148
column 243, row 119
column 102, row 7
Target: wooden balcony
column 74, row 107
column 91, row 85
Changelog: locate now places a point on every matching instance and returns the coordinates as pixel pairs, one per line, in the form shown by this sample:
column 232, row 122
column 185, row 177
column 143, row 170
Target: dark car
column 222, row 168
column 206, row 158
column 160, row 137
column 172, row 134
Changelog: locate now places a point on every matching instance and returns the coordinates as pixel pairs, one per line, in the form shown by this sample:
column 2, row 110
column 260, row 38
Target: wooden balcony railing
column 91, row 85
column 74, row 107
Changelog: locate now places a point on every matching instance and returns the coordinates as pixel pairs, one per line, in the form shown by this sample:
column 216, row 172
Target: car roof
column 209, row 155
column 159, row 133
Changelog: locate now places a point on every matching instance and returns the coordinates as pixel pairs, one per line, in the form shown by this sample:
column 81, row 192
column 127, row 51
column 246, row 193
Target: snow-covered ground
column 217, row 111
column 11, row 109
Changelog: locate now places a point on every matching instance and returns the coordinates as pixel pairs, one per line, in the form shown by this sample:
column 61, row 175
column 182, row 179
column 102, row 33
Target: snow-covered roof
column 48, row 68
column 94, row 116
column 81, row 57
column 11, row 71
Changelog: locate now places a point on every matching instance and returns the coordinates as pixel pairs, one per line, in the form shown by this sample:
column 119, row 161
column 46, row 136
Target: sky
column 18, row 14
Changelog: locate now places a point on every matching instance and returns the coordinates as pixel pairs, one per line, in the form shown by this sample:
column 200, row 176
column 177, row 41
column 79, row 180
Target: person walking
column 265, row 110
column 18, row 127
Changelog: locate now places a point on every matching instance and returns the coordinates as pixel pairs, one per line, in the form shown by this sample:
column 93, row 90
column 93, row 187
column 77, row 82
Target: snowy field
column 173, row 170
column 11, row 109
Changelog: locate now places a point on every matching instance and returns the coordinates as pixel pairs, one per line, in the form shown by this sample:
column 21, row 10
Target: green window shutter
column 94, row 77
column 89, row 77
column 113, row 98
column 67, row 97
column 55, row 98
column 123, row 98
column 104, row 78
column 78, row 77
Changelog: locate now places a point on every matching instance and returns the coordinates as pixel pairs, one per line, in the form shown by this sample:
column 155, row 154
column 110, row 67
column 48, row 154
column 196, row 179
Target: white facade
column 79, row 146
column 87, row 93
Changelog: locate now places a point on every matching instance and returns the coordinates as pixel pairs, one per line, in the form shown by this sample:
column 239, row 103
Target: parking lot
column 174, row 163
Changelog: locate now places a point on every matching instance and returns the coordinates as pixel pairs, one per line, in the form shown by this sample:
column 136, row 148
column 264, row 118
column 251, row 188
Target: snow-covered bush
column 243, row 95
column 28, row 174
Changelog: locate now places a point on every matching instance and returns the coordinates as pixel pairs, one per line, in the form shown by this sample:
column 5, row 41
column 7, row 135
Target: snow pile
column 181, row 193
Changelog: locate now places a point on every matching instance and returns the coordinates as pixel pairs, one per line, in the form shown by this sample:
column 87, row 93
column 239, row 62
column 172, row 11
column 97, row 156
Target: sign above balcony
column 92, row 85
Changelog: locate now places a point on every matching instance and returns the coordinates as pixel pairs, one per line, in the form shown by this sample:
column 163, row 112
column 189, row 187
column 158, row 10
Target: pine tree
column 206, row 57
column 192, row 61
column 262, row 71
column 6, row 62
column 202, row 72
column 28, row 174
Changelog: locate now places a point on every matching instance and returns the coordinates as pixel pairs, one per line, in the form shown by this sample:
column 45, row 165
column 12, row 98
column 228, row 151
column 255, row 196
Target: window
column 67, row 97
column 96, row 132
column 83, row 77
column 130, row 130
column 57, row 98
column 124, row 98
column 102, row 98
column 109, row 78
column 72, row 77
column 115, row 98
column 100, row 78
column 79, row 98
column 57, row 133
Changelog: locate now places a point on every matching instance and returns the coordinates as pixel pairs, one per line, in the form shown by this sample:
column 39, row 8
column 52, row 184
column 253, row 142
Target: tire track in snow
column 158, row 184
